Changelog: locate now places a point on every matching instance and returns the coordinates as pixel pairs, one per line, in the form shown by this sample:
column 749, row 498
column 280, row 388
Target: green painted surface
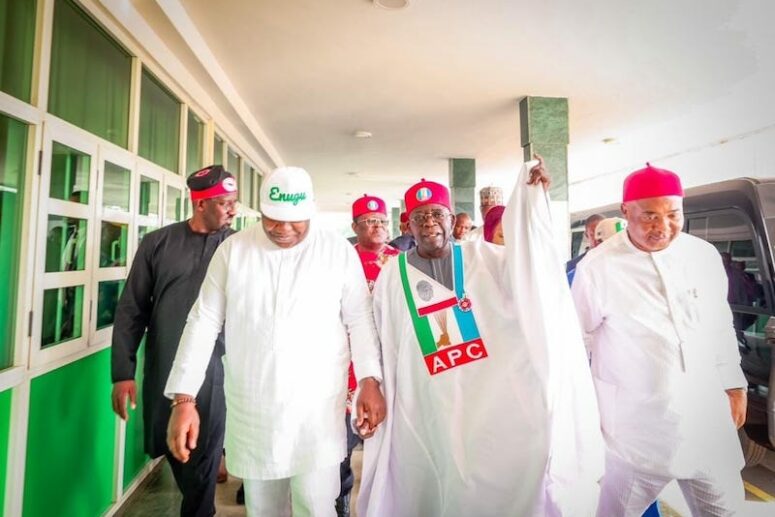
column 134, row 453
column 544, row 131
column 71, row 441
column 13, row 148
column 5, row 426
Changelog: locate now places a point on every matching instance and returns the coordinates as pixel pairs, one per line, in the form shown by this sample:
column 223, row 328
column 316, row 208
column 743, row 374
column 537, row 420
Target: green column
column 544, row 130
column 462, row 183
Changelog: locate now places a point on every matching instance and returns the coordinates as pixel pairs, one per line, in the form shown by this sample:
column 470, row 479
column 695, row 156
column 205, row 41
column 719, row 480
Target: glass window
column 731, row 234
column 90, row 75
column 62, row 315
column 257, row 190
column 69, row 174
column 218, row 148
column 65, row 244
column 13, row 148
column 159, row 124
column 142, row 231
column 113, row 244
column 233, row 165
column 194, row 142
column 173, row 209
column 149, row 197
column 115, row 192
column 248, row 186
column 17, row 38
column 108, row 293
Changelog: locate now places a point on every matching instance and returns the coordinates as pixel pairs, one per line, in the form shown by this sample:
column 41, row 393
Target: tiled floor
column 159, row 496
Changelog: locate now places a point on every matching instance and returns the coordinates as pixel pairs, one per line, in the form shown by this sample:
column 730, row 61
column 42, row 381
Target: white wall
column 730, row 137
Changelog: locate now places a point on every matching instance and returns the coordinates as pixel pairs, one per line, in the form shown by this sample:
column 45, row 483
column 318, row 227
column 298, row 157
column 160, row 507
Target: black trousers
column 346, row 475
column 196, row 478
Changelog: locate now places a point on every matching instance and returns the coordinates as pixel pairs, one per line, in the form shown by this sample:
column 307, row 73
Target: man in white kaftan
column 289, row 293
column 490, row 404
column 664, row 355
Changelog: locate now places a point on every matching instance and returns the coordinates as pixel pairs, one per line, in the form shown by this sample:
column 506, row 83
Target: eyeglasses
column 437, row 215
column 373, row 222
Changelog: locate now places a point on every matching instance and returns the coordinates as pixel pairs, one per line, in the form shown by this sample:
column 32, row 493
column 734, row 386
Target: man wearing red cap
column 653, row 302
column 162, row 285
column 490, row 405
column 370, row 226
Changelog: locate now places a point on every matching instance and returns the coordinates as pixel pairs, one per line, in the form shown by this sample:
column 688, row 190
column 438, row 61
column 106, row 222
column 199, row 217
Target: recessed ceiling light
column 362, row 134
column 351, row 173
column 391, row 4
column 610, row 140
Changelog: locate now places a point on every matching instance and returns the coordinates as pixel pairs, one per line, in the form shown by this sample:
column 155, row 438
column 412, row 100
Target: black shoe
column 241, row 495
column 343, row 506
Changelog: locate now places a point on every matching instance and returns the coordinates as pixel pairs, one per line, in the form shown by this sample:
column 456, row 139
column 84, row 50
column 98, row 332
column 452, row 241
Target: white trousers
column 626, row 492
column 310, row 495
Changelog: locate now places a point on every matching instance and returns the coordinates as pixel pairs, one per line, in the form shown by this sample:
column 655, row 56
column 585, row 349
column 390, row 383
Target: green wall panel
column 71, row 441
column 134, row 453
column 5, row 425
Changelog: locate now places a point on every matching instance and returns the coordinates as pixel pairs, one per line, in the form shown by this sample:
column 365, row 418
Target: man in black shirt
column 162, row 285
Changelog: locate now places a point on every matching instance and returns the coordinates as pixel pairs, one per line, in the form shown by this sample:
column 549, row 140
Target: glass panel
column 248, row 186
column 81, row 50
column 69, row 174
column 257, row 190
column 218, row 148
column 174, row 197
column 142, row 231
column 107, row 299
column 13, row 148
column 115, row 192
column 159, row 124
column 194, row 141
column 113, row 244
column 149, row 197
column 17, row 37
column 731, row 235
column 65, row 244
column 233, row 165
column 62, row 315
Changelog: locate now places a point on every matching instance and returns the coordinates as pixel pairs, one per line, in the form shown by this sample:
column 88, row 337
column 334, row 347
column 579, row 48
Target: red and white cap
column 212, row 181
column 651, row 182
column 368, row 204
column 426, row 193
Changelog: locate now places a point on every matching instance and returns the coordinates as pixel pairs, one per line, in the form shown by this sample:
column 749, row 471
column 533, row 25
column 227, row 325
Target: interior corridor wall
column 76, row 198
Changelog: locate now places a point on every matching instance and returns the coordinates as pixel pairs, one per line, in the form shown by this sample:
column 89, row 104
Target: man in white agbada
column 490, row 404
column 664, row 357
column 289, row 293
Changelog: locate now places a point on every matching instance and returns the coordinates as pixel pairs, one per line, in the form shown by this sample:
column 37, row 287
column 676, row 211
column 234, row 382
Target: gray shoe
column 343, row 506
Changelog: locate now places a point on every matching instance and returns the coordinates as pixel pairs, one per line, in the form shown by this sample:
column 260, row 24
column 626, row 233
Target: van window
column 730, row 232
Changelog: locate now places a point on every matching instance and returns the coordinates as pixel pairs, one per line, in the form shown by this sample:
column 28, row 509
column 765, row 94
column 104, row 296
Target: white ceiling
column 442, row 78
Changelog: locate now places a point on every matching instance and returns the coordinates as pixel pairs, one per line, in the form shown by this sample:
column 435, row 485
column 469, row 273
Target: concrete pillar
column 544, row 130
column 462, row 184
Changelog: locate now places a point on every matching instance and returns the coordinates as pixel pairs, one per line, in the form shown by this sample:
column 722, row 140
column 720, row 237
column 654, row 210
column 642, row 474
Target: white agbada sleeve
column 537, row 275
column 359, row 320
column 203, row 325
column 587, row 305
column 727, row 351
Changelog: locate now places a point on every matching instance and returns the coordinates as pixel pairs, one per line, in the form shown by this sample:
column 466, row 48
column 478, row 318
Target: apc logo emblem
column 372, row 205
column 229, row 184
column 424, row 194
